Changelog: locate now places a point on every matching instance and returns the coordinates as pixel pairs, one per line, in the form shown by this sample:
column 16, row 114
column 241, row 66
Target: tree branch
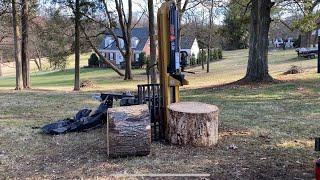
column 99, row 54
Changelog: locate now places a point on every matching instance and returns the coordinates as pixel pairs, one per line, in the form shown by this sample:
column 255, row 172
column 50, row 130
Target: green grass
column 273, row 125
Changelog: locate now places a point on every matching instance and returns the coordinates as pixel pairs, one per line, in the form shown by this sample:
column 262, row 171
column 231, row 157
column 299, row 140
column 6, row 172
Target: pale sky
column 140, row 5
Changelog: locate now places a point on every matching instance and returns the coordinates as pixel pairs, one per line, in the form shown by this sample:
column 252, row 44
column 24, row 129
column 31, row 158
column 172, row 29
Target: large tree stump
column 128, row 131
column 193, row 123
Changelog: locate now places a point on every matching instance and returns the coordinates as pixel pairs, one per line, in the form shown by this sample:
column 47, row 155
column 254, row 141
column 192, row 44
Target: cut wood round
column 193, row 123
column 128, row 131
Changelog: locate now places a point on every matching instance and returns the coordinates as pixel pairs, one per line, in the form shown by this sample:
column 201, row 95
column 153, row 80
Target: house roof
column 186, row 42
column 142, row 33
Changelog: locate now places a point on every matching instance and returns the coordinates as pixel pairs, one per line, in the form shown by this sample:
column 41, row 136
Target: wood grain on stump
column 128, row 131
column 193, row 123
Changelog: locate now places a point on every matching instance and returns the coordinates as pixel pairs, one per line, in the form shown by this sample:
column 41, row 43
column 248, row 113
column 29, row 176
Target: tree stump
column 128, row 131
column 193, row 123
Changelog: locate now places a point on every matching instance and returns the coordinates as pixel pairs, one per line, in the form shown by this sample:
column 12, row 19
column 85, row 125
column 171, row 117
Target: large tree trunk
column 193, row 123
column 153, row 47
column 24, row 43
column 77, row 48
column 257, row 69
column 305, row 39
column 128, row 131
column 16, row 42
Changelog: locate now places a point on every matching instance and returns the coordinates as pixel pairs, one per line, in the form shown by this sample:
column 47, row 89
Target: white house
column 189, row 45
column 139, row 41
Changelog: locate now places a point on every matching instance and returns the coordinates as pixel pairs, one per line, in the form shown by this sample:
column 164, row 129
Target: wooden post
column 193, row 123
column 128, row 131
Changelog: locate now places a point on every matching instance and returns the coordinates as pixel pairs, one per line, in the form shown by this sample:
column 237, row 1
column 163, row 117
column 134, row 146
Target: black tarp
column 85, row 119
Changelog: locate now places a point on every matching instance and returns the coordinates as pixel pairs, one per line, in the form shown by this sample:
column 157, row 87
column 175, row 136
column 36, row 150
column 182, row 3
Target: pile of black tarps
column 87, row 119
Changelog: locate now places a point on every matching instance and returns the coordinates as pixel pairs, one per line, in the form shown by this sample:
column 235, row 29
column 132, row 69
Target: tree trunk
column 128, row 59
column 24, row 43
column 128, row 131
column 1, row 64
column 37, row 64
column 193, row 123
column 16, row 42
column 153, row 47
column 306, row 39
column 202, row 59
column 77, row 47
column 210, row 36
column 127, row 34
column 257, row 69
column 39, row 57
column 208, row 60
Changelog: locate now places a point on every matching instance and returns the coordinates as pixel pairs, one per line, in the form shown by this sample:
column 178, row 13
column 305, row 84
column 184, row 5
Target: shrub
column 202, row 56
column 215, row 54
column 93, row 60
column 219, row 53
column 193, row 60
column 142, row 59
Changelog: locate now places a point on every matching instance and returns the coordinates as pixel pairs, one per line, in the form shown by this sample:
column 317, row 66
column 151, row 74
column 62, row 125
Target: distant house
column 140, row 43
column 189, row 44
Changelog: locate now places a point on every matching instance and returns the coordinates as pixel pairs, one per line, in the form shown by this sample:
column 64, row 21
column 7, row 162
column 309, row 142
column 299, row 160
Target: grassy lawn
column 272, row 125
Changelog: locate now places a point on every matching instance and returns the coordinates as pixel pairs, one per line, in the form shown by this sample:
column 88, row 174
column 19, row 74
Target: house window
column 108, row 41
column 111, row 56
column 136, row 57
column 134, row 42
column 121, row 43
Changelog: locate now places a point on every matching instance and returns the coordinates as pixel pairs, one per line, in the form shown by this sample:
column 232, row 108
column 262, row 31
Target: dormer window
column 134, row 42
column 108, row 41
column 121, row 43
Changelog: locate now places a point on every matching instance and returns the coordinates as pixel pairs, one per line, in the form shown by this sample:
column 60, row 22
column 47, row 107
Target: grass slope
column 272, row 125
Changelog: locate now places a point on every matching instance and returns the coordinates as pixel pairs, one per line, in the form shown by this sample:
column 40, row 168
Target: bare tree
column 126, row 27
column 16, row 35
column 24, row 43
column 152, row 39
